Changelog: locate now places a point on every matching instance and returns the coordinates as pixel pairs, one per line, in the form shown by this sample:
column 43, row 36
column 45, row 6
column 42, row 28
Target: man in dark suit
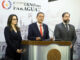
column 39, row 30
column 65, row 31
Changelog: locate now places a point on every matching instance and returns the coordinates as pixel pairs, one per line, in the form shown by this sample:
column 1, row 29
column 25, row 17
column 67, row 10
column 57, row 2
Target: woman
column 13, row 39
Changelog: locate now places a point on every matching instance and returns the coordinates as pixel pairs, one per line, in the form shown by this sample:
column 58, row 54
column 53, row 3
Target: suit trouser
column 8, row 58
column 71, row 53
column 16, row 57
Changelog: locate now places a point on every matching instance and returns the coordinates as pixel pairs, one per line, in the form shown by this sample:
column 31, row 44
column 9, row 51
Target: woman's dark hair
column 10, row 21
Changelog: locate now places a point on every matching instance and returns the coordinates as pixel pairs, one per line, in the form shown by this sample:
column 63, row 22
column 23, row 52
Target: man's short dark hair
column 65, row 13
column 40, row 13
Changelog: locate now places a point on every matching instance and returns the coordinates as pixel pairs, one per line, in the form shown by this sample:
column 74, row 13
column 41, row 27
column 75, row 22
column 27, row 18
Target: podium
column 48, row 50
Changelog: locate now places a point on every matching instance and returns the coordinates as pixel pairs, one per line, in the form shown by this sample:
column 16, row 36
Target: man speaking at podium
column 65, row 31
column 38, row 31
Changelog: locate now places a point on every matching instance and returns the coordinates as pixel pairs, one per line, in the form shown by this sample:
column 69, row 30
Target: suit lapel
column 37, row 29
column 63, row 26
column 70, row 27
column 44, row 29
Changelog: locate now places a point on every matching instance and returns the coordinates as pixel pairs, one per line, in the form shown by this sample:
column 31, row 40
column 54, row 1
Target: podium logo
column 6, row 4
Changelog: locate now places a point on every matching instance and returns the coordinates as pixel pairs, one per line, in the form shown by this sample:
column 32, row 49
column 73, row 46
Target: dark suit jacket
column 34, row 32
column 62, row 34
column 13, row 41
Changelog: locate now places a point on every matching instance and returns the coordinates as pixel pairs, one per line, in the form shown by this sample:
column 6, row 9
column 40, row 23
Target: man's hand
column 51, row 39
column 71, row 46
column 19, row 51
column 38, row 38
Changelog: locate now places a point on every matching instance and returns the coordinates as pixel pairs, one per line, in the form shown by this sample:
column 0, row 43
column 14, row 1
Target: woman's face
column 14, row 20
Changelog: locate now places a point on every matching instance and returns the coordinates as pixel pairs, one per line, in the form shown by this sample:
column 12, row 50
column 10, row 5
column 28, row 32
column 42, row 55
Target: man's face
column 66, row 18
column 40, row 18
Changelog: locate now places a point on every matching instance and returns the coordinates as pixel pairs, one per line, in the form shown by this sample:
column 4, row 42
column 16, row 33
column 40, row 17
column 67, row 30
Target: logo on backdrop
column 23, row 6
column 6, row 4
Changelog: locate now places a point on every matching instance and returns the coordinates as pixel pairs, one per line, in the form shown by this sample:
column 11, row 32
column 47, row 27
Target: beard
column 66, row 21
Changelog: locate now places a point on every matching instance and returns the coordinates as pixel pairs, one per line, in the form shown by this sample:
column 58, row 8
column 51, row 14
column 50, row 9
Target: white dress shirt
column 39, row 27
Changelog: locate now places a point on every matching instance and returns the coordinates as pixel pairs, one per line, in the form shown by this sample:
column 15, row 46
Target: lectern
column 48, row 50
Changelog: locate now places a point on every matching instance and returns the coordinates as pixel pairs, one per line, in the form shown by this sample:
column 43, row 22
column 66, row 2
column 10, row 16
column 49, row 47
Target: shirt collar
column 39, row 24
